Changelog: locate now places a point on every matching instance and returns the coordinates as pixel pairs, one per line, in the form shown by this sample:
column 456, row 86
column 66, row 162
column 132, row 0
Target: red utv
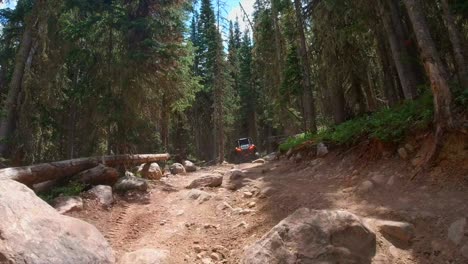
column 245, row 150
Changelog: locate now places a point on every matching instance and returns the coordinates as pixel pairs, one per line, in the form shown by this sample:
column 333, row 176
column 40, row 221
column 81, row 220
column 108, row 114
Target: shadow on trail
column 330, row 184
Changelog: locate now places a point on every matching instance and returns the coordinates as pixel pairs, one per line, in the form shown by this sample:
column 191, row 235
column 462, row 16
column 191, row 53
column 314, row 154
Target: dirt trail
column 168, row 219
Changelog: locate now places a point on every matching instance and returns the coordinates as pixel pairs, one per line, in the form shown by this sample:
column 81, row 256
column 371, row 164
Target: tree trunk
column 33, row 174
column 389, row 88
column 395, row 35
column 308, row 98
column 165, row 128
column 7, row 122
column 462, row 68
column 369, row 91
column 436, row 72
column 278, row 47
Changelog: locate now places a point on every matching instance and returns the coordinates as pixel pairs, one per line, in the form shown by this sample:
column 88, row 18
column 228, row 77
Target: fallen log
column 97, row 175
column 38, row 173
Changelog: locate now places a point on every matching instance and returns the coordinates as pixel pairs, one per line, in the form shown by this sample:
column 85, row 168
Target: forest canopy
column 85, row 77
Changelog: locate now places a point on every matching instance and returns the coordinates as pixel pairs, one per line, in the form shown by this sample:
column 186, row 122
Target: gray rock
column 206, row 181
column 365, row 187
column 260, row 161
column 65, row 204
column 270, row 157
column 177, row 168
column 103, row 194
column 247, row 194
column 235, row 179
column 34, row 232
column 391, row 181
column 146, row 256
column 399, row 230
column 189, row 166
column 129, row 182
column 464, row 251
column 322, row 150
column 150, row 171
column 314, row 236
column 266, row 192
column 403, row 154
column 379, row 179
column 298, row 157
column 409, row 147
column 207, row 261
column 456, row 231
column 199, row 196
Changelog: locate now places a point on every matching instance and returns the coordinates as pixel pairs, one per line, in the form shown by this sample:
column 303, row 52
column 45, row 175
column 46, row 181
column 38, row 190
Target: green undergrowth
column 71, row 189
column 388, row 125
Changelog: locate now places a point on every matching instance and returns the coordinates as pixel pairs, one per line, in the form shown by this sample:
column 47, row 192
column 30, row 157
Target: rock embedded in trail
column 403, row 154
column 365, row 187
column 456, row 231
column 464, row 251
column 402, row 231
column 235, row 179
column 102, row 193
column 177, row 168
column 248, row 195
column 146, row 256
column 200, row 196
column 314, row 236
column 322, row 150
column 259, row 161
column 34, row 232
column 150, row 171
column 379, row 179
column 189, row 166
column 65, row 204
column 266, row 192
column 206, row 181
column 129, row 183
column 270, row 157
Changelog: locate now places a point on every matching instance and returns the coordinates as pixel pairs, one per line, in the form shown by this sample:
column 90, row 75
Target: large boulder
column 145, row 256
column 102, row 193
column 34, row 232
column 65, row 204
column 130, row 183
column 314, row 236
column 177, row 168
column 150, row 171
column 189, row 166
column 206, row 181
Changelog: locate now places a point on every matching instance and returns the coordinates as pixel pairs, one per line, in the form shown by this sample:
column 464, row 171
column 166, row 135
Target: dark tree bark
column 395, row 35
column 308, row 98
column 436, row 73
column 462, row 68
column 10, row 105
column 389, row 88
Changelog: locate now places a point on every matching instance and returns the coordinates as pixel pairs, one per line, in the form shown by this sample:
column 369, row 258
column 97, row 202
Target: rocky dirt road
column 214, row 225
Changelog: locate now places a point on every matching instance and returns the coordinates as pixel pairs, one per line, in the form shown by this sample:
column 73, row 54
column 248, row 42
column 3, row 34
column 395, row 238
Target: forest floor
column 166, row 218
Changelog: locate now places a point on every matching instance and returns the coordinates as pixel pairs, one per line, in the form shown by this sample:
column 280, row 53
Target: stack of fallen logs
column 93, row 171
